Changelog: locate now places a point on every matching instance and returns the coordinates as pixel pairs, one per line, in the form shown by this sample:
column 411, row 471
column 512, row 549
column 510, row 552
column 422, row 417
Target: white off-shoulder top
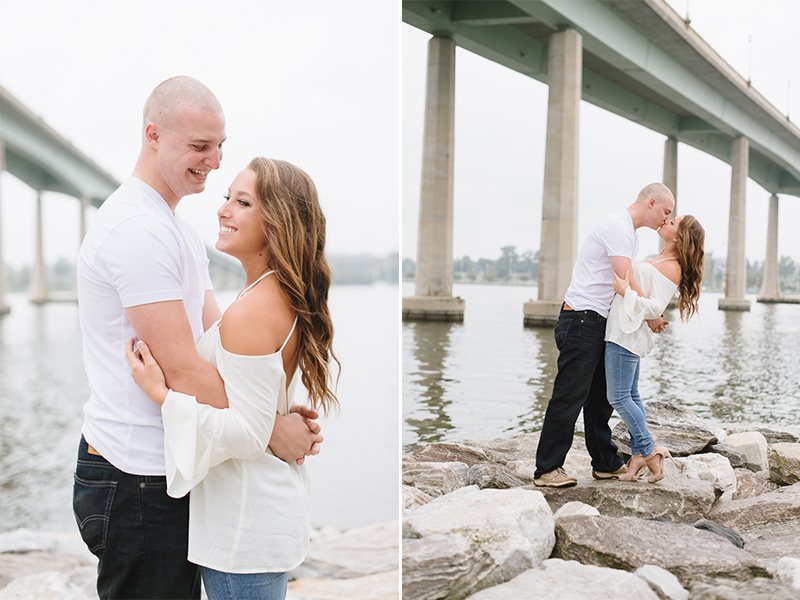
column 248, row 509
column 626, row 325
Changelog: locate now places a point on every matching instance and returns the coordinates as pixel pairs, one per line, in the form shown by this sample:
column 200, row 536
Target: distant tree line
column 511, row 267
column 346, row 270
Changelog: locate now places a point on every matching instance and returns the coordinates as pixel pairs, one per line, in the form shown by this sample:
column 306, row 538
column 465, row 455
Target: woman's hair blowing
column 690, row 254
column 294, row 227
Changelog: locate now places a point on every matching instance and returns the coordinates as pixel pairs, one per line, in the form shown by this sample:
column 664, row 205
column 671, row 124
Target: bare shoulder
column 670, row 269
column 259, row 322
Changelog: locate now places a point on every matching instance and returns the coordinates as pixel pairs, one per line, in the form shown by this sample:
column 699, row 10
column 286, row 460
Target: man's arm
column 623, row 265
column 165, row 328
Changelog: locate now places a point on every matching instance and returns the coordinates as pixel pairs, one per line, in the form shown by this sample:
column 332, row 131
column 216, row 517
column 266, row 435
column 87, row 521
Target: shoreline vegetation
column 724, row 524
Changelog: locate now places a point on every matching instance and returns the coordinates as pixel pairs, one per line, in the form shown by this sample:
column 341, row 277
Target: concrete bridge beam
column 38, row 291
column 736, row 268
column 433, row 289
column 771, row 287
column 559, row 246
column 4, row 308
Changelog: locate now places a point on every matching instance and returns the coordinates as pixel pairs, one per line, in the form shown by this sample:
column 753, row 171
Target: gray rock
column 750, row 485
column 771, row 548
column 451, row 452
column 353, row 553
column 788, row 572
column 628, row 543
column 76, row 584
column 774, row 434
column 446, row 566
column 710, row 467
column 491, row 475
column 15, row 565
column 515, row 527
column 726, row 532
column 784, row 463
column 662, row 582
column 736, row 458
column 771, row 514
column 675, row 498
column 569, row 580
column 25, row 540
column 381, row 586
column 753, row 446
column 520, row 447
column 575, row 508
column 435, row 478
column 710, row 588
column 414, row 498
column 677, row 428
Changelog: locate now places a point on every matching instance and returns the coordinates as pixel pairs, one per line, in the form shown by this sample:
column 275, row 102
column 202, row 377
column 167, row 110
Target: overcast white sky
column 309, row 81
column 500, row 142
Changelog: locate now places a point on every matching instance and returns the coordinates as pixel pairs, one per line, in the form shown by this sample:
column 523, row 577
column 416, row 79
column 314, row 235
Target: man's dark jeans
column 137, row 531
column 580, row 384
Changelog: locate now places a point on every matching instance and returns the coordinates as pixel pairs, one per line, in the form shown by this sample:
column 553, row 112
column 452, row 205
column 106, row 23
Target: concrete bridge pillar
column 559, row 246
column 671, row 181
column 736, row 268
column 3, row 306
column 38, row 292
column 771, row 287
column 433, row 289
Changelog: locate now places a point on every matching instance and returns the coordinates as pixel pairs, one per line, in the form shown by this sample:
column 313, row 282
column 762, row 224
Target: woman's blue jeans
column 244, row 586
column 622, row 385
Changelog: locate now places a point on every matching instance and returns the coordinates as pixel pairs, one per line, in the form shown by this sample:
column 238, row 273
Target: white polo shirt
column 136, row 252
column 592, row 285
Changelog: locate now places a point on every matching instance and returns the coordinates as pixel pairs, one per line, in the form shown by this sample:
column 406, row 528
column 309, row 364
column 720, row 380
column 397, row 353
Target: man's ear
column 152, row 135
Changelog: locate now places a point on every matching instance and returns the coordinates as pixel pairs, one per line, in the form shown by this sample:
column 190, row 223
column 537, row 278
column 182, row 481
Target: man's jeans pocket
column 91, row 504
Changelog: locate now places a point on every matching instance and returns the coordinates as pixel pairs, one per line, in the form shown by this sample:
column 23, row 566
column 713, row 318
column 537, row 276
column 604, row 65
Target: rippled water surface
column 43, row 387
column 491, row 377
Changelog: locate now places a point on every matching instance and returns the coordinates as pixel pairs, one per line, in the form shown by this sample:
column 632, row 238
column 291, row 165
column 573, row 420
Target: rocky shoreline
column 358, row 564
column 723, row 525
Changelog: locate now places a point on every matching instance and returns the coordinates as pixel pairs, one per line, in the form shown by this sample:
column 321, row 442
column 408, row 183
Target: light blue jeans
column 622, row 385
column 244, row 586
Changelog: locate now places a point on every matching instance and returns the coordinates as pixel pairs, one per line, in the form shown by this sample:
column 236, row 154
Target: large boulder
column 435, row 478
column 710, row 467
column 493, row 475
column 784, row 463
column 771, row 514
column 769, row 549
column 570, row 580
column 380, row 586
column 446, row 566
column 677, row 428
column 760, row 588
column 662, row 582
column 750, row 485
column 413, row 498
column 629, row 543
column 452, row 452
column 520, row 447
column 753, row 446
column 674, row 498
column 774, row 434
column 515, row 527
column 788, row 572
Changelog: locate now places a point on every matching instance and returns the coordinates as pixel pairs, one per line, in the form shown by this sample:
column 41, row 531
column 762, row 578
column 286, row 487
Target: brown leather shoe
column 556, row 478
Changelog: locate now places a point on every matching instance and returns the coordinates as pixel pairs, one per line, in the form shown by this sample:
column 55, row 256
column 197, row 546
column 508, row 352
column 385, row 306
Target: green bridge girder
column 641, row 61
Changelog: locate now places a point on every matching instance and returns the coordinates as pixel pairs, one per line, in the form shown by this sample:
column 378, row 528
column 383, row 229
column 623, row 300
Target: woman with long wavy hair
column 679, row 268
column 248, row 520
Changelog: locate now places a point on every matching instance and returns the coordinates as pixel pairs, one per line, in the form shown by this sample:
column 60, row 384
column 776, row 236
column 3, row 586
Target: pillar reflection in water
column 428, row 420
column 543, row 371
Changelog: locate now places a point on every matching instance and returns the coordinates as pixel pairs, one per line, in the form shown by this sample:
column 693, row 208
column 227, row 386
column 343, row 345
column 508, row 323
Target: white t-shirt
column 136, row 252
column 592, row 285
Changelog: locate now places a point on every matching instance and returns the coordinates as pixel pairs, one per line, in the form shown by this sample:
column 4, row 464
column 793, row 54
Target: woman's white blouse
column 626, row 325
column 248, row 509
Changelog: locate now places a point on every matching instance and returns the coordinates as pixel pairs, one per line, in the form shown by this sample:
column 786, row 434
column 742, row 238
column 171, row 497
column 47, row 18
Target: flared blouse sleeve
column 636, row 309
column 198, row 437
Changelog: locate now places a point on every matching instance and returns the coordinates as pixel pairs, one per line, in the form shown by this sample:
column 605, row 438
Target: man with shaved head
column 143, row 273
column 610, row 248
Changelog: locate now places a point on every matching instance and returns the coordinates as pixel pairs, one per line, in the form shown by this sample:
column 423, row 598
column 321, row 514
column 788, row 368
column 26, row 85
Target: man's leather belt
column 93, row 451
column 567, row 306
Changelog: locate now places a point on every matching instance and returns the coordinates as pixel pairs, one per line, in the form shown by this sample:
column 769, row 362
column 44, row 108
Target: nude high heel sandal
column 634, row 469
column 655, row 462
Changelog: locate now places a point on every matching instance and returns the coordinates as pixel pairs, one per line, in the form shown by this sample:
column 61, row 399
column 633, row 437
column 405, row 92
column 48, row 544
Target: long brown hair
column 294, row 226
column 690, row 254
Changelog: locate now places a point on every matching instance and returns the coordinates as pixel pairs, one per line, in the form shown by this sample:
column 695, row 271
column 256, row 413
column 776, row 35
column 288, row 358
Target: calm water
column 43, row 388
column 490, row 377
